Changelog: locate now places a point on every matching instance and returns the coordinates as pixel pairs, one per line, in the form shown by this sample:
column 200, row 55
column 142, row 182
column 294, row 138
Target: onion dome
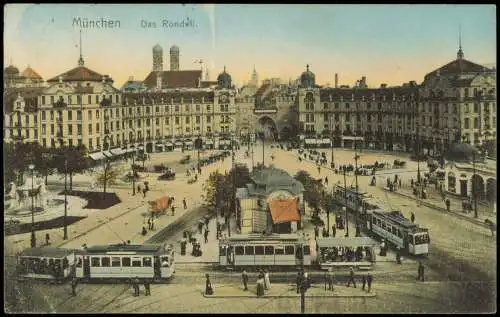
column 11, row 70
column 307, row 79
column 224, row 79
column 157, row 48
column 174, row 49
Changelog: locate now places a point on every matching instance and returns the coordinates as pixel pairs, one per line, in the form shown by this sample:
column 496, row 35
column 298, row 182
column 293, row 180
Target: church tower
column 174, row 58
column 157, row 58
column 254, row 82
column 460, row 53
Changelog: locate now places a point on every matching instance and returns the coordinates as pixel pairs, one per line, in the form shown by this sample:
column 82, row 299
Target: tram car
column 49, row 264
column 115, row 262
column 399, row 231
column 354, row 199
column 356, row 252
column 289, row 250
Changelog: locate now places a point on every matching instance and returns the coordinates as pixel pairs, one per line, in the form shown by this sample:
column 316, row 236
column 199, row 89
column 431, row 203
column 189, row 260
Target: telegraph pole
column 345, row 196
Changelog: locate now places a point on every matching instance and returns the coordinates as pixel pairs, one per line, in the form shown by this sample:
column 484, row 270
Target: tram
column 353, row 199
column 49, row 264
column 288, row 250
column 120, row 261
column 356, row 252
column 399, row 231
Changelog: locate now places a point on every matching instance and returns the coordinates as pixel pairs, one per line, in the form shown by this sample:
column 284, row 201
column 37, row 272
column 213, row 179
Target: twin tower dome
column 158, row 58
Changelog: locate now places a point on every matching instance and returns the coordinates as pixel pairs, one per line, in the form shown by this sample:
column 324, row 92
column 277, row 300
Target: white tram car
column 50, row 264
column 396, row 229
column 354, row 199
column 126, row 261
column 264, row 250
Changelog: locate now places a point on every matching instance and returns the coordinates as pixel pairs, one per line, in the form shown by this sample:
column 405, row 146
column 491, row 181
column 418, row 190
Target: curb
column 443, row 210
column 289, row 296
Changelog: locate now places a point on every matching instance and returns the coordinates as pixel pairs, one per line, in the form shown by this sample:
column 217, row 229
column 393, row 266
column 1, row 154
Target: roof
column 11, row 70
column 175, row 79
column 274, row 179
column 397, row 217
column 458, row 66
column 30, row 95
column 284, row 210
column 351, row 242
column 80, row 73
column 46, row 252
column 140, row 248
column 31, row 74
column 266, row 238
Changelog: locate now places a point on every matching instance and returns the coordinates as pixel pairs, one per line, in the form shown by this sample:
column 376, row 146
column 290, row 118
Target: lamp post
column 133, row 163
column 65, row 235
column 233, row 187
column 263, row 137
column 33, row 236
column 356, row 157
column 345, row 208
column 474, row 182
column 332, row 164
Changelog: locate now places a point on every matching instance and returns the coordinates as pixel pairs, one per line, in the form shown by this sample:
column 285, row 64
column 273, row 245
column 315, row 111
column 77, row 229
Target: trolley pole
column 346, row 215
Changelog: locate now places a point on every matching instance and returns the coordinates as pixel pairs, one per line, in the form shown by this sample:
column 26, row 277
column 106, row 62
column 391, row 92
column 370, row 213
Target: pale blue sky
column 386, row 43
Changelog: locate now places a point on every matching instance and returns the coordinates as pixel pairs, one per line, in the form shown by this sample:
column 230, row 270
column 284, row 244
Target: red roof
column 30, row 73
column 80, row 73
column 284, row 210
column 175, row 79
column 458, row 66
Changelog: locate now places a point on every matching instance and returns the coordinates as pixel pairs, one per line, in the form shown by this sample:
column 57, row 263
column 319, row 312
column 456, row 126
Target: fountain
column 18, row 203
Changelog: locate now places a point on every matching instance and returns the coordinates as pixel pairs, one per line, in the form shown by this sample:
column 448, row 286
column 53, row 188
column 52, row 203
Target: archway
column 491, row 189
column 478, row 186
column 268, row 126
column 452, row 182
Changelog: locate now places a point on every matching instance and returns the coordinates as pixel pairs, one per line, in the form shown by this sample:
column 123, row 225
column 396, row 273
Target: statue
column 42, row 195
column 13, row 196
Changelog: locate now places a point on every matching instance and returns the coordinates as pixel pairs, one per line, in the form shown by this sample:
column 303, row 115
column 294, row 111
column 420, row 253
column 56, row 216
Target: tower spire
column 460, row 53
column 80, row 60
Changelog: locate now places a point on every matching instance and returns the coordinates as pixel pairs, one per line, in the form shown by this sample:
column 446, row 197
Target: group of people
column 263, row 282
column 135, row 286
column 346, row 254
column 43, row 266
column 144, row 189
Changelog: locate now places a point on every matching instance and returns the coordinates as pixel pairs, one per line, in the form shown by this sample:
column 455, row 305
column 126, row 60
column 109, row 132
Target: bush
column 317, row 221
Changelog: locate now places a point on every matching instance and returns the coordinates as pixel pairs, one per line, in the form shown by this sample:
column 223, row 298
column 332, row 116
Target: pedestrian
column 207, row 221
column 144, row 191
column 398, row 256
column 47, row 239
column 319, row 170
column 420, row 276
column 369, row 279
column 208, row 286
column 299, row 280
column 74, row 282
column 334, row 231
column 324, row 233
column 316, row 232
column 206, row 235
column 364, row 282
column 351, row 277
column 244, row 277
column 144, row 231
column 149, row 223
column 173, row 210
column 400, row 183
column 147, row 287
column 412, row 217
column 200, row 226
column 138, row 188
column 330, row 279
column 448, row 205
column 267, row 281
column 326, row 180
column 184, row 202
column 136, row 286
column 152, row 224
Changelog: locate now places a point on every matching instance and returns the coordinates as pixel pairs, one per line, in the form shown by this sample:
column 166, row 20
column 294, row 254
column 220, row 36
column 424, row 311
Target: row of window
column 106, row 261
column 78, row 101
column 357, row 106
column 268, row 250
column 387, row 227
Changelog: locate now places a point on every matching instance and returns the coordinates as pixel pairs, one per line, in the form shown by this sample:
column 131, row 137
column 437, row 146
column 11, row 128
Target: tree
column 216, row 188
column 312, row 190
column 108, row 176
column 77, row 161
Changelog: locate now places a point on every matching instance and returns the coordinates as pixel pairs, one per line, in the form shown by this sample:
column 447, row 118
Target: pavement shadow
column 95, row 200
column 44, row 225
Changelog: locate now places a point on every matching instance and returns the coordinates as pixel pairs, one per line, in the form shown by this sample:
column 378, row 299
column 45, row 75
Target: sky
column 390, row 44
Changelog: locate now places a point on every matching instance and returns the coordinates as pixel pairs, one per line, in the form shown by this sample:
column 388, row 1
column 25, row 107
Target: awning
column 208, row 142
column 108, row 154
column 117, row 151
column 351, row 242
column 188, row 143
column 97, row 156
column 140, row 146
column 170, row 144
column 178, row 143
column 222, row 142
column 326, row 141
column 160, row 145
column 310, row 141
column 284, row 210
column 130, row 150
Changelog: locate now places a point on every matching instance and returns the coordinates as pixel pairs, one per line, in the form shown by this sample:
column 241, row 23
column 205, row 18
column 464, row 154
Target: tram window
column 136, row 262
column 105, row 262
column 57, row 262
column 259, row 250
column 239, row 250
column 399, row 234
column 289, row 250
column 249, row 250
column 95, row 261
column 222, row 250
column 79, row 262
column 126, row 261
column 269, row 249
column 146, row 262
column 279, row 251
column 115, row 261
column 164, row 261
column 307, row 251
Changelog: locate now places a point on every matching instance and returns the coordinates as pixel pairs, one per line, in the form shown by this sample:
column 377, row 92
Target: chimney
column 336, row 80
column 383, row 85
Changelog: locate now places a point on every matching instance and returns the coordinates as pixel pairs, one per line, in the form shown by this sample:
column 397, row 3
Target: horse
column 492, row 226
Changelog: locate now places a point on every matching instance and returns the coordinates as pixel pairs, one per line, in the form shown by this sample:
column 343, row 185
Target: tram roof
column 353, row 190
column 272, row 237
column 351, row 242
column 397, row 218
column 46, row 252
column 139, row 248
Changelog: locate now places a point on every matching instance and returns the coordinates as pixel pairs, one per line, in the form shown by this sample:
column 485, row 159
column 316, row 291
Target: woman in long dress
column 267, row 282
column 260, row 286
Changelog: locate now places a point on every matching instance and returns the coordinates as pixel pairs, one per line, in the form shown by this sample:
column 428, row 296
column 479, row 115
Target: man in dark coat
column 74, row 282
column 206, row 235
column 135, row 284
column 147, row 287
column 369, row 280
column 364, row 282
column 351, row 278
column 420, row 276
column 208, row 286
column 316, row 232
column 334, row 231
column 184, row 202
column 412, row 218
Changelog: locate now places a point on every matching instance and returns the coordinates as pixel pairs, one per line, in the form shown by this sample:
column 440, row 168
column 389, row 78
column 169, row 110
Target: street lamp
column 33, row 236
column 65, row 236
column 133, row 163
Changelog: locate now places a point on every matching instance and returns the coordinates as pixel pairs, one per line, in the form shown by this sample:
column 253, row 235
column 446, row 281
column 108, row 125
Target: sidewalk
column 285, row 290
